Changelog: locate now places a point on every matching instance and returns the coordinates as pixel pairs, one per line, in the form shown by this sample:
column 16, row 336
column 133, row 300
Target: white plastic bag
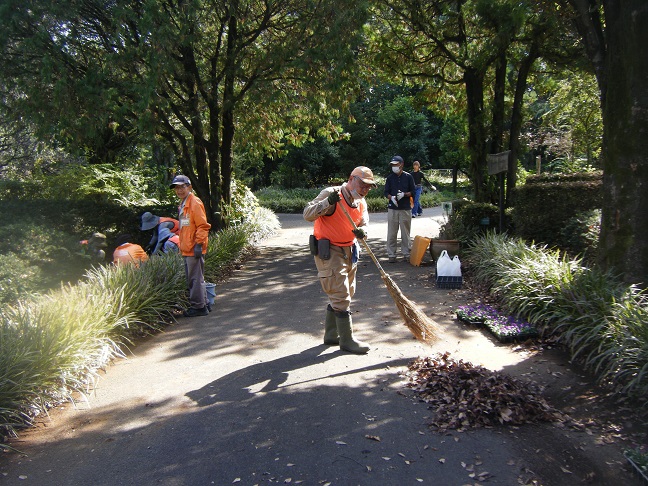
column 455, row 268
column 444, row 264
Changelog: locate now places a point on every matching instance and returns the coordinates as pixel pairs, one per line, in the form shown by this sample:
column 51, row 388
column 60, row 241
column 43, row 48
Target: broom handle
column 362, row 240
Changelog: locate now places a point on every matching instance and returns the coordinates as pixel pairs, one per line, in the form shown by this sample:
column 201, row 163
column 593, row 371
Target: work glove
column 198, row 251
column 360, row 233
column 333, row 198
column 399, row 195
column 393, row 200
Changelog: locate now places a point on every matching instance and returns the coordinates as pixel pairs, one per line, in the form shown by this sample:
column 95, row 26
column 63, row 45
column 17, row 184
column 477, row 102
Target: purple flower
column 498, row 324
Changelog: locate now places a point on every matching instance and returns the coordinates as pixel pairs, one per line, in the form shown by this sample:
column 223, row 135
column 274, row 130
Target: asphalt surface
column 249, row 395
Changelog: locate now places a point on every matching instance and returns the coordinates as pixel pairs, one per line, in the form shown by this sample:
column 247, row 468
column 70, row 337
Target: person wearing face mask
column 399, row 187
column 336, row 250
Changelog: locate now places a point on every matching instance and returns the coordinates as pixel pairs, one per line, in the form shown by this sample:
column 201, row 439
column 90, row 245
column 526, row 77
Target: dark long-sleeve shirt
column 403, row 182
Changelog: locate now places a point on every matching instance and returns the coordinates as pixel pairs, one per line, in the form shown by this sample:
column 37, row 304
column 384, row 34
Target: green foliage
column 313, row 164
column 18, row 278
column 98, row 183
column 286, row 201
column 580, row 235
column 52, row 345
column 243, row 203
column 570, row 129
column 640, row 457
column 146, row 292
column 105, row 99
column 454, row 150
column 466, row 220
column 600, row 319
column 546, row 202
column 42, row 248
column 295, row 200
column 400, row 129
column 229, row 246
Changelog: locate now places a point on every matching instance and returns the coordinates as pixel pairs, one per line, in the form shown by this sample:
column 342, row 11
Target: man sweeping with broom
column 335, row 248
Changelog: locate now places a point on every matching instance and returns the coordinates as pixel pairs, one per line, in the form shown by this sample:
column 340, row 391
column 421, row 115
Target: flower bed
column 504, row 328
column 507, row 328
column 476, row 314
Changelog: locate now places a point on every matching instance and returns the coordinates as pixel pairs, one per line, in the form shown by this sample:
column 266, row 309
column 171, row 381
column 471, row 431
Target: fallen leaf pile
column 465, row 396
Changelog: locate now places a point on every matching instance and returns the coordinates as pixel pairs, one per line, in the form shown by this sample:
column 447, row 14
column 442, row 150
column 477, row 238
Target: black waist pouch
column 324, row 249
column 312, row 244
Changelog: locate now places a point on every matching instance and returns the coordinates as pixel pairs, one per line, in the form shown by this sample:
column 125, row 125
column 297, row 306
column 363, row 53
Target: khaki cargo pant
column 337, row 275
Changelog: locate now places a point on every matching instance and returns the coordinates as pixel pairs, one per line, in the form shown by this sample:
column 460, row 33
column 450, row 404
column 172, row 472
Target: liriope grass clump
column 146, row 293
column 601, row 320
column 52, row 346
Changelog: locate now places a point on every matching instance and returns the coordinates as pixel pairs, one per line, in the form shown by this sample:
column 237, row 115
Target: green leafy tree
column 203, row 76
column 487, row 48
column 400, row 130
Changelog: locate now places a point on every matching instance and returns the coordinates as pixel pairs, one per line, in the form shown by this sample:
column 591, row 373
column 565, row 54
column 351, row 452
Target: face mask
column 355, row 195
column 396, row 169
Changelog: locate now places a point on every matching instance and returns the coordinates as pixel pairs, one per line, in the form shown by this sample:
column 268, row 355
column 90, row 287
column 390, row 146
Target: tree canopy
column 201, row 76
column 208, row 79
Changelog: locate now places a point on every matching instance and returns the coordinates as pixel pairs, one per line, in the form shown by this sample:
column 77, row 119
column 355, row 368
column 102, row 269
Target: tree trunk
column 474, row 82
column 499, row 92
column 624, row 226
column 516, row 119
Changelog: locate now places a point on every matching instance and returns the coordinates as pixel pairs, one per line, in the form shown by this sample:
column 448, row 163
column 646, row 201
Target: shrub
column 545, row 203
column 599, row 318
column 18, row 278
column 580, row 235
column 465, row 222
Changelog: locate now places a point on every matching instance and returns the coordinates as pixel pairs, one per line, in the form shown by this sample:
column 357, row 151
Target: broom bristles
column 423, row 328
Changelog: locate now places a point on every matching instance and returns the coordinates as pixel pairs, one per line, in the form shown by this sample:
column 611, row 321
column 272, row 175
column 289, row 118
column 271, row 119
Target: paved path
column 248, row 395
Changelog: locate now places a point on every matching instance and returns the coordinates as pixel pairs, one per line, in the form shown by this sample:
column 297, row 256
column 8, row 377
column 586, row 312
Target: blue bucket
column 211, row 292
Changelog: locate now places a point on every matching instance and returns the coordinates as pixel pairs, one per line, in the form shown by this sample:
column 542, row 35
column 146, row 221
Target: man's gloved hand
column 198, row 251
column 399, row 195
column 334, row 197
column 393, row 200
column 360, row 233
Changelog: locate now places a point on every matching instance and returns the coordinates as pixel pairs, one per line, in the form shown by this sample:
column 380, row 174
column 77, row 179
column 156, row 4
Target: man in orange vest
column 336, row 250
column 151, row 221
column 194, row 233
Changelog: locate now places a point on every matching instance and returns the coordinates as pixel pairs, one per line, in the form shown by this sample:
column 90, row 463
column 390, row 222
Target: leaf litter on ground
column 466, row 396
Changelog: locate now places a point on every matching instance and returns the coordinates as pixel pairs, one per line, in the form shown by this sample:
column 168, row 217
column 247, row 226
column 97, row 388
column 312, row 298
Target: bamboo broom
column 423, row 328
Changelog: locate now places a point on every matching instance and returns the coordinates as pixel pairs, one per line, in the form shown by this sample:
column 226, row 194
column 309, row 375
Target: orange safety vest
column 337, row 227
column 176, row 224
column 129, row 253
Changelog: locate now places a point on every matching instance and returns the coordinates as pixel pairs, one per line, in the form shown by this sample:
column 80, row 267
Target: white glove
column 393, row 200
column 400, row 195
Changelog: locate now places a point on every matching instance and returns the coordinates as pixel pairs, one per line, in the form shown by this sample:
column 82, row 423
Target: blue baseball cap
column 180, row 180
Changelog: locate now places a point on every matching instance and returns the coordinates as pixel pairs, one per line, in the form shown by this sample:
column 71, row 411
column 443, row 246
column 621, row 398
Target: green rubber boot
column 345, row 330
column 330, row 328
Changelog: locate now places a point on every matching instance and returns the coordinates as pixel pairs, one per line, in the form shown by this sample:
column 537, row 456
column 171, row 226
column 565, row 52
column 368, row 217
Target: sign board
column 447, row 208
column 498, row 162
